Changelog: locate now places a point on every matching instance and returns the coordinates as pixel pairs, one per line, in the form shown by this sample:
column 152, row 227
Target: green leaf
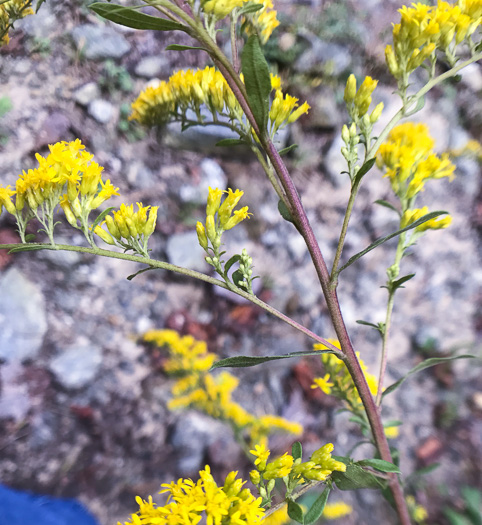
column 257, row 80
column 297, row 450
column 355, row 478
column 39, row 3
column 285, row 151
column 318, row 507
column 381, row 240
column 130, row 277
column 238, row 278
column 26, row 248
column 132, row 17
column 456, row 518
column 392, row 423
column 234, row 259
column 422, row 366
column 366, row 323
column 231, row 142
column 245, row 361
column 101, row 217
column 178, row 47
column 417, row 108
column 295, row 512
column 473, row 503
column 386, row 204
column 30, row 237
column 394, row 285
column 251, row 8
column 284, row 212
column 379, row 464
column 363, row 171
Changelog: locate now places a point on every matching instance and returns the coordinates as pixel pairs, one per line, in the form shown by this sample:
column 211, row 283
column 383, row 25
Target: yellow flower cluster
column 10, row 11
column 418, row 512
column 220, row 217
column 264, row 21
column 409, row 160
column 410, row 216
column 284, row 110
column 341, row 384
column 67, row 176
column 423, row 29
column 334, row 511
column 129, row 229
column 358, row 100
column 320, row 466
column 186, row 89
column 220, row 8
column 211, row 394
column 201, row 502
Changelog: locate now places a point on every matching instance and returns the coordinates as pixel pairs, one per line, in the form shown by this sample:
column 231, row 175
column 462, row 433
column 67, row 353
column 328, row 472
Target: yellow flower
column 5, row 200
column 278, row 517
column 392, row 432
column 323, row 383
column 334, row 511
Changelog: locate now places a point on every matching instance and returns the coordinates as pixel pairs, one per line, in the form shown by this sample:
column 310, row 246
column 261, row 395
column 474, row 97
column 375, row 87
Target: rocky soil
column 83, row 404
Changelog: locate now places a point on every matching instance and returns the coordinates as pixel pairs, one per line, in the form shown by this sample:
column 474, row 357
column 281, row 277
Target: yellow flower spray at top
column 11, row 11
column 189, row 360
column 202, row 502
column 425, row 29
column 68, row 177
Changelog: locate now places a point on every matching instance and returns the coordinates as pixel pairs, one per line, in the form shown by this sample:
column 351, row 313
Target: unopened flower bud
column 345, row 134
column 376, row 113
column 350, row 90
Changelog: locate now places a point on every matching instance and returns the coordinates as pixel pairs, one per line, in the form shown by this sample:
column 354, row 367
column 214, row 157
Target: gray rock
column 42, row 25
column 101, row 110
column 472, row 76
column 140, row 176
column 152, row 67
column 335, row 163
column 183, row 250
column 14, row 400
column 23, row 321
column 323, row 57
column 212, row 175
column 99, row 42
column 191, row 437
column 76, row 366
column 87, row 93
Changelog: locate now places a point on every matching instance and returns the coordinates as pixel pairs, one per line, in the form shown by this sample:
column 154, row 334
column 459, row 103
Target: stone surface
column 183, row 250
column 99, row 42
column 76, row 366
column 85, row 94
column 211, row 175
column 152, row 67
column 102, row 110
column 23, row 322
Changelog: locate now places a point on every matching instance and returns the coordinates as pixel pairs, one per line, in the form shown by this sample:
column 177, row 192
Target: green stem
column 388, row 319
column 153, row 263
column 344, row 229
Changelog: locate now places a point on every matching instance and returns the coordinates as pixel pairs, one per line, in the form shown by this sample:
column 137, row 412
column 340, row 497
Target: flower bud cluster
column 10, row 11
column 284, row 108
column 67, row 176
column 129, row 229
column 358, row 100
column 197, row 389
column 425, row 29
column 293, row 472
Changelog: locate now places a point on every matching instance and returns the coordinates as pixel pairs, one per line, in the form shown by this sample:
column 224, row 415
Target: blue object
column 23, row 508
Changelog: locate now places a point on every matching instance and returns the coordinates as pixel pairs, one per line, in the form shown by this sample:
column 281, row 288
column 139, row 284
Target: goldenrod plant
column 239, row 92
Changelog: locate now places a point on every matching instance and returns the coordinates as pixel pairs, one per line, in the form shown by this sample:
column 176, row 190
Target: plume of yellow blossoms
column 202, row 502
column 408, row 159
column 67, row 176
column 190, row 360
column 424, row 29
column 11, row 11
column 334, row 511
column 207, row 88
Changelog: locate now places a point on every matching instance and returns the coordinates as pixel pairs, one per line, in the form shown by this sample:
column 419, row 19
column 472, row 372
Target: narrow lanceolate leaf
column 386, row 204
column 295, row 512
column 101, row 217
column 381, row 240
column 422, row 366
column 286, row 150
column 39, row 3
column 363, row 171
column 317, row 508
column 379, row 464
column 27, row 248
column 130, row 277
column 178, row 47
column 284, row 212
column 132, row 17
column 245, row 361
column 231, row 142
column 355, row 478
column 399, row 282
column 257, row 80
column 250, row 8
column 296, row 450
